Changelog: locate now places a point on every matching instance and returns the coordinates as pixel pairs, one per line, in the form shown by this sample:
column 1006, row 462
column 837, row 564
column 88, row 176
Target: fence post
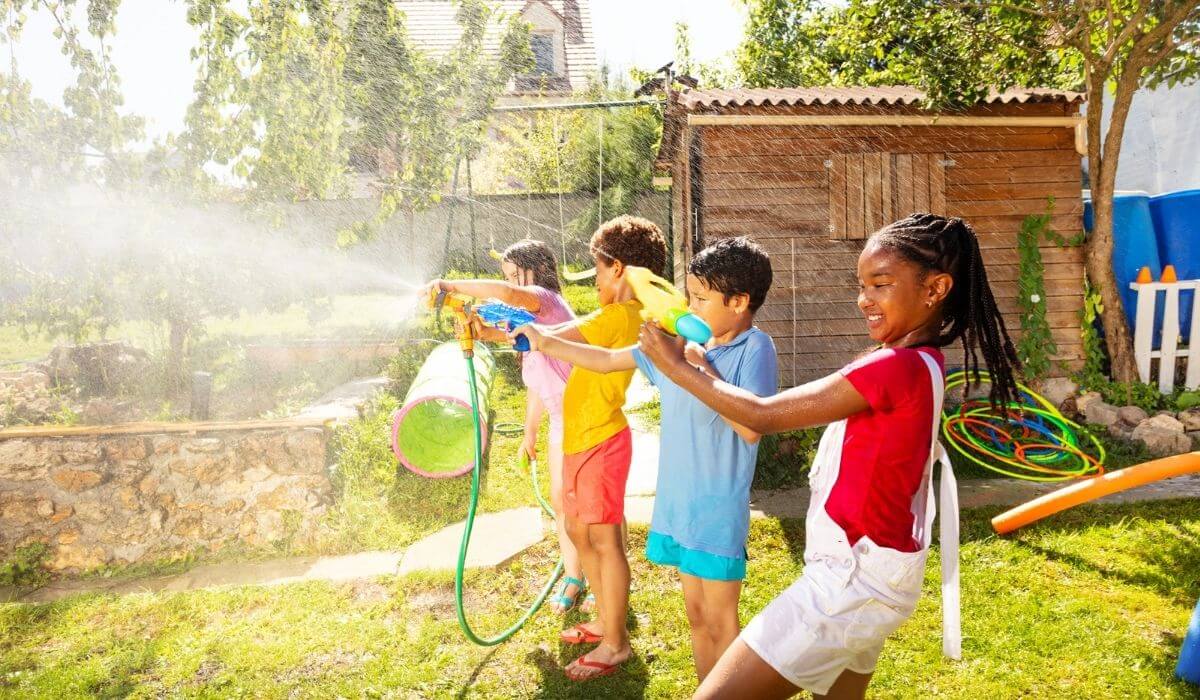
column 1143, row 329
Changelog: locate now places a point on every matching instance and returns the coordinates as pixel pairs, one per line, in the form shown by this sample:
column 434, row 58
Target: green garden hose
column 470, row 522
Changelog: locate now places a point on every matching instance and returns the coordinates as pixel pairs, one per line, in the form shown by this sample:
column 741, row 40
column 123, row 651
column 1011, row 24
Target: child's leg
column 712, row 614
column 589, row 562
column 848, row 686
column 741, row 673
column 612, row 601
column 570, row 556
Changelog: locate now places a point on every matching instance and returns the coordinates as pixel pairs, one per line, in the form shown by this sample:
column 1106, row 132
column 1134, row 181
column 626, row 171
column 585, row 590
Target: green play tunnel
column 433, row 432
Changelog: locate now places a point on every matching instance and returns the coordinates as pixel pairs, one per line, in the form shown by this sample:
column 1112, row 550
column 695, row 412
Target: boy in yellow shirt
column 597, row 444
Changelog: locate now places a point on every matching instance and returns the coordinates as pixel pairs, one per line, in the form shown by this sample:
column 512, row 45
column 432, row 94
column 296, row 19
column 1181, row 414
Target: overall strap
column 948, row 534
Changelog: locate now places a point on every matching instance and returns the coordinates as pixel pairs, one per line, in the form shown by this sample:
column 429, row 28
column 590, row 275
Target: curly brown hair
column 632, row 240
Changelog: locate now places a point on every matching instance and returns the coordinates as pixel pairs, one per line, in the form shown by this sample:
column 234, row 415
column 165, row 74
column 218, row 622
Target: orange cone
column 1168, row 274
column 1144, row 276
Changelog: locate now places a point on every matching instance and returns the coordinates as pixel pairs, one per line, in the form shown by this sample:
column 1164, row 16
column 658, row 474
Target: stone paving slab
column 496, row 539
column 341, row 404
column 266, row 573
column 643, row 470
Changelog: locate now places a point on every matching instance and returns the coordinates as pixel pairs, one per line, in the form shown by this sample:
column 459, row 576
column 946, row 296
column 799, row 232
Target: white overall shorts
column 847, row 601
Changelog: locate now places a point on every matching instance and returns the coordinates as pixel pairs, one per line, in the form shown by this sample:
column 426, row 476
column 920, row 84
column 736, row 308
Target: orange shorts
column 594, row 481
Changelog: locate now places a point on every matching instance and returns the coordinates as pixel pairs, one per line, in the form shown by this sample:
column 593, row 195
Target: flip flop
column 582, row 635
column 565, row 601
column 604, row 669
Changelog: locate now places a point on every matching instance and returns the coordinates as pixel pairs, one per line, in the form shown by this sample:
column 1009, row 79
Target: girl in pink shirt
column 531, row 282
column 922, row 286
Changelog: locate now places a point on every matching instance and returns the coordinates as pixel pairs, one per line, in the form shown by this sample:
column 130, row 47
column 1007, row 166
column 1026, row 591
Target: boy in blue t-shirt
column 702, row 506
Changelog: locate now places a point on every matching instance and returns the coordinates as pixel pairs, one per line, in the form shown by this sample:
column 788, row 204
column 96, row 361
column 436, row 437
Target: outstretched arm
column 818, row 402
column 589, row 357
column 512, row 294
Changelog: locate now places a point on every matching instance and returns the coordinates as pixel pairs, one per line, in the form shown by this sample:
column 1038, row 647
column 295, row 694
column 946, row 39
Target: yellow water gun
column 663, row 303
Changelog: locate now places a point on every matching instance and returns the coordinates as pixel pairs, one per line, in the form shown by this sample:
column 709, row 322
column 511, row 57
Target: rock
column 1166, row 421
column 1132, row 415
column 1086, row 399
column 1190, row 419
column 99, row 411
column 76, row 557
column 1058, row 389
column 1195, row 438
column 1099, row 413
column 76, row 480
column 1069, row 407
column 1162, row 442
column 1121, row 430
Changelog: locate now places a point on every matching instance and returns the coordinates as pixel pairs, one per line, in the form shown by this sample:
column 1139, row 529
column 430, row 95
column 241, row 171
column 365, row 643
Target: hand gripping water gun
column 506, row 318
column 663, row 303
column 495, row 314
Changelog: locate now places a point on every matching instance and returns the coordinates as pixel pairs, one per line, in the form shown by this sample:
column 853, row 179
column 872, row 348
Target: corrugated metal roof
column 430, row 25
column 882, row 95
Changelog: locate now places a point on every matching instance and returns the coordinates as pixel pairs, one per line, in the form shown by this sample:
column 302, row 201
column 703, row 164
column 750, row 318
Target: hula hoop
column 1025, row 439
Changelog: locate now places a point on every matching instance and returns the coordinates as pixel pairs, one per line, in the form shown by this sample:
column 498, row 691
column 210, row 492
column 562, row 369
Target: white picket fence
column 1143, row 334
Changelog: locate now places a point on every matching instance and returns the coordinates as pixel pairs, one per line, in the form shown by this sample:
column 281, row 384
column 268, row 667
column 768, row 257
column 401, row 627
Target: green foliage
column 24, row 566
column 1036, row 346
column 582, row 298
column 561, row 152
column 950, row 49
column 1187, row 400
column 784, row 459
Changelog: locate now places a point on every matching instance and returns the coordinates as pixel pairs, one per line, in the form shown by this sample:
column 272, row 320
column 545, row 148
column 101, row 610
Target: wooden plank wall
column 773, row 183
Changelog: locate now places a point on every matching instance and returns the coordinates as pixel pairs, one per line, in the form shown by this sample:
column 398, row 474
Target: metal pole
column 471, row 217
column 600, row 189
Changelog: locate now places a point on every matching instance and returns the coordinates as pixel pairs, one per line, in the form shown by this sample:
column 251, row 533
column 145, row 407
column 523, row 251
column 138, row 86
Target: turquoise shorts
column 663, row 549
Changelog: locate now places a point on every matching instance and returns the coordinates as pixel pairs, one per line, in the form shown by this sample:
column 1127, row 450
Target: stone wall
column 120, row 498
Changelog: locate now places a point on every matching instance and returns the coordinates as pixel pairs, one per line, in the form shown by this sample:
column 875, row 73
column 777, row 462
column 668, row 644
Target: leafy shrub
column 24, row 566
column 783, row 459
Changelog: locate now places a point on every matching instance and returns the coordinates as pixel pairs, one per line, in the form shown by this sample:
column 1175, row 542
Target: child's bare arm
column 568, row 331
column 818, row 402
column 524, row 297
column 694, row 354
column 590, row 357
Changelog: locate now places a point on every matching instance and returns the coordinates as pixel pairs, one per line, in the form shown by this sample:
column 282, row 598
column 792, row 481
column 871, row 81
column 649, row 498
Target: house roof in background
column 430, row 25
column 883, row 95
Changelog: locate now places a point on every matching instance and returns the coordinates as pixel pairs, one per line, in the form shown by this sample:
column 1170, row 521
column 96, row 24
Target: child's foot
column 583, row 633
column 568, row 594
column 589, row 604
column 601, row 661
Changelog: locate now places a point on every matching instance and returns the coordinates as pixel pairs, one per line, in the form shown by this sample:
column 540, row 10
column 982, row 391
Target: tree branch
column 1126, row 33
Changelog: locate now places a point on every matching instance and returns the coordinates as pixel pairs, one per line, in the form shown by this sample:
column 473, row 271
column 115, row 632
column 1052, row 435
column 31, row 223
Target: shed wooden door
column 870, row 190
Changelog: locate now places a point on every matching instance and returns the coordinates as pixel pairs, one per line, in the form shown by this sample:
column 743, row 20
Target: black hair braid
column 939, row 244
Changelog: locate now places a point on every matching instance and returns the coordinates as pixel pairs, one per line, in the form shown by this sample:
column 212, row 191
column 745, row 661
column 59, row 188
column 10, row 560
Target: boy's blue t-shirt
column 704, row 467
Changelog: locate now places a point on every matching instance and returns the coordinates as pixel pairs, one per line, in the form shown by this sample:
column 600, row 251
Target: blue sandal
column 564, row 601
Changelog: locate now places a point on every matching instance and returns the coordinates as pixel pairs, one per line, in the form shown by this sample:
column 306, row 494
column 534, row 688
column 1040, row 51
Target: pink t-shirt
column 543, row 375
column 885, row 447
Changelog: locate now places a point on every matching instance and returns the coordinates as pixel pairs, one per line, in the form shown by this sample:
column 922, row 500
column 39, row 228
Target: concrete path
column 643, row 471
column 496, row 538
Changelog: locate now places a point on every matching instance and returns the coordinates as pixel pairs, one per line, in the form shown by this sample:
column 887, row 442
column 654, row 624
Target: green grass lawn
column 1092, row 604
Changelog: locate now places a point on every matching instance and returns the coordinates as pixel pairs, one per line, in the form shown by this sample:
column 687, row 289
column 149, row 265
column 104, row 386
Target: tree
column 956, row 51
column 285, row 92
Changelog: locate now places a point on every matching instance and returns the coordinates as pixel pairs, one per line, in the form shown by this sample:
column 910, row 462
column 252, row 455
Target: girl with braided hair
column 923, row 286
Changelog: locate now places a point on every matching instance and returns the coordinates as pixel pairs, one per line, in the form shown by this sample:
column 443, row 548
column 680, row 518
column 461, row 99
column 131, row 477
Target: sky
column 153, row 39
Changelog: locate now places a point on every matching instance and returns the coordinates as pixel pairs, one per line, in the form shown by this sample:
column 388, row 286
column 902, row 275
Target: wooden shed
column 810, row 172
